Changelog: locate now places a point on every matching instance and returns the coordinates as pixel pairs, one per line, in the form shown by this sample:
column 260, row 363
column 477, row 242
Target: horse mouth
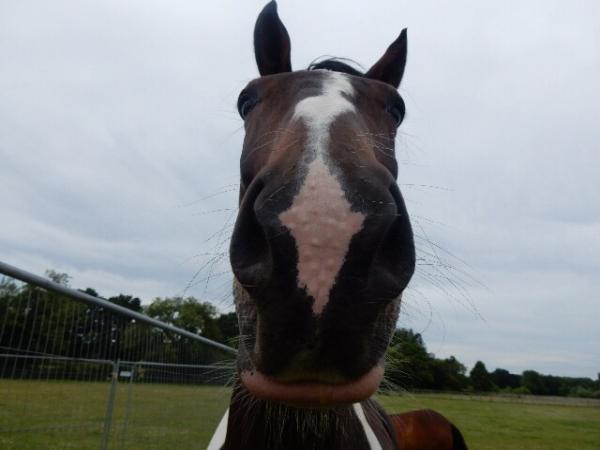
column 311, row 393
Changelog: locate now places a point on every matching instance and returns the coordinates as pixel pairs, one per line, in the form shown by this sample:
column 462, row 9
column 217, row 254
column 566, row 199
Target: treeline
column 411, row 367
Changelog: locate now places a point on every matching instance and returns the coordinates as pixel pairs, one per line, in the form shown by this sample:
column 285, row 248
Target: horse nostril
column 249, row 252
column 394, row 261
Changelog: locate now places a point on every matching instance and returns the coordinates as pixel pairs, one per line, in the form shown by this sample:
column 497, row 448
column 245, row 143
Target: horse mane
column 334, row 64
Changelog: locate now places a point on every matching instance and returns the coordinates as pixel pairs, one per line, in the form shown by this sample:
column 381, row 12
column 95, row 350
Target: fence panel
column 76, row 372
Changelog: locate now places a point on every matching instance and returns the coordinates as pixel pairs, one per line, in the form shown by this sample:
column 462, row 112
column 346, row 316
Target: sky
column 120, row 144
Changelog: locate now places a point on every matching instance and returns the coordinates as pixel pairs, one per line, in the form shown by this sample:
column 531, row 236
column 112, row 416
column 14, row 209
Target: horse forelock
column 335, row 64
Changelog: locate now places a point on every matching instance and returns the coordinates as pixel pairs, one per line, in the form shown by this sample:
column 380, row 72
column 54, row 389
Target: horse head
column 322, row 247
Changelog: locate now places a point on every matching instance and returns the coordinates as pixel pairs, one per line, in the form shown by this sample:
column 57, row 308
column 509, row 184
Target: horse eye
column 397, row 112
column 246, row 101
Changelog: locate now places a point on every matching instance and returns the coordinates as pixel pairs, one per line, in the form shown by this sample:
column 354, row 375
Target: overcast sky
column 119, row 147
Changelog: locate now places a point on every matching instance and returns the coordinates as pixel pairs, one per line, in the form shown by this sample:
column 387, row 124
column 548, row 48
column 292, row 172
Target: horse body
column 426, row 429
column 321, row 251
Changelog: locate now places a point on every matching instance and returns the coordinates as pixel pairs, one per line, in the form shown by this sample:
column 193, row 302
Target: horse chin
column 312, row 394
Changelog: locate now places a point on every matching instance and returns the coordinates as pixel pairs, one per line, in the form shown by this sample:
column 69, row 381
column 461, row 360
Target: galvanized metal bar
column 183, row 366
column 55, row 358
column 50, row 285
column 107, row 361
column 110, row 406
column 123, row 437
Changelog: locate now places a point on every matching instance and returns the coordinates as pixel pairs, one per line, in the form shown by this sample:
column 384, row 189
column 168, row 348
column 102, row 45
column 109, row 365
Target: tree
column 410, row 366
column 8, row 289
column 480, row 378
column 449, row 374
column 534, row 382
column 127, row 301
column 187, row 313
column 229, row 328
column 58, row 277
column 504, row 379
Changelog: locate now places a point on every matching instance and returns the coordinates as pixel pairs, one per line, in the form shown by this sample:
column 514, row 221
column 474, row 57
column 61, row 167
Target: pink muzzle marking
column 322, row 223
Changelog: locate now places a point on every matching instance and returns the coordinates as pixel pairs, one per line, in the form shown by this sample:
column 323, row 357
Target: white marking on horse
column 320, row 111
column 371, row 437
column 218, row 438
column 320, row 218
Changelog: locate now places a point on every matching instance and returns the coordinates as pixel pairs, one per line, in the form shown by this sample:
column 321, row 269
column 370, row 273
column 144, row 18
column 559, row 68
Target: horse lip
column 310, row 393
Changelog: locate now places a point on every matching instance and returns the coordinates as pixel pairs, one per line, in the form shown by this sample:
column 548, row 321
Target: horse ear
column 390, row 66
column 271, row 42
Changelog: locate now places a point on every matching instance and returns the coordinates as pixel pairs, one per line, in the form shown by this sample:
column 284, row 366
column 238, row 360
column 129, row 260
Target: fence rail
column 50, row 285
column 79, row 371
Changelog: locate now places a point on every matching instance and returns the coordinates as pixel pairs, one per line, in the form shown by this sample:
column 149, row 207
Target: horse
column 426, row 429
column 321, row 251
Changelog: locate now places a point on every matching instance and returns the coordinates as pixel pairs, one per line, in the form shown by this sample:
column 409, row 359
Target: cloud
column 119, row 147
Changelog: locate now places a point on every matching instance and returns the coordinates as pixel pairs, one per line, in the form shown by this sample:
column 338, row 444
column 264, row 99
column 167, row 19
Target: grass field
column 54, row 415
column 504, row 423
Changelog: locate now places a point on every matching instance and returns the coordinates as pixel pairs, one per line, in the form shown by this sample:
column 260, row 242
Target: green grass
column 56, row 415
column 59, row 415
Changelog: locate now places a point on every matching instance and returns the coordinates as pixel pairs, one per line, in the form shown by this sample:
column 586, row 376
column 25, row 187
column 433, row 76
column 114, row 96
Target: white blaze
column 319, row 112
column 320, row 218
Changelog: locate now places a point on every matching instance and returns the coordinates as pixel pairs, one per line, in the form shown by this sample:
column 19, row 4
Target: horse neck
column 255, row 424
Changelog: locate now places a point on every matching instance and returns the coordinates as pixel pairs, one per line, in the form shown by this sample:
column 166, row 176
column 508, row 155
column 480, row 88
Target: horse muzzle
column 320, row 269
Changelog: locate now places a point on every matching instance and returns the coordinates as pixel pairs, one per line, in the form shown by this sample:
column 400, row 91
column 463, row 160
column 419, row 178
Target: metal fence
column 77, row 371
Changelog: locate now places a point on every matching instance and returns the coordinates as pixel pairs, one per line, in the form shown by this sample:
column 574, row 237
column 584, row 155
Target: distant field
column 55, row 415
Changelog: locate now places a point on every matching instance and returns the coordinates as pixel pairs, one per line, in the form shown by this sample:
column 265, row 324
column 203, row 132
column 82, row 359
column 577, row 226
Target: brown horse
column 321, row 251
column 426, row 430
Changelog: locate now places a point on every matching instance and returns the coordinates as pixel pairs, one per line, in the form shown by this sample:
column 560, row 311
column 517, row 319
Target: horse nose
column 259, row 249
column 250, row 260
column 322, row 264
column 322, row 239
column 384, row 254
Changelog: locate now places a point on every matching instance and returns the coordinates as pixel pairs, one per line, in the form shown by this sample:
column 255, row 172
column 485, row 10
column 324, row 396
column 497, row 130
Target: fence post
column 128, row 408
column 110, row 406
